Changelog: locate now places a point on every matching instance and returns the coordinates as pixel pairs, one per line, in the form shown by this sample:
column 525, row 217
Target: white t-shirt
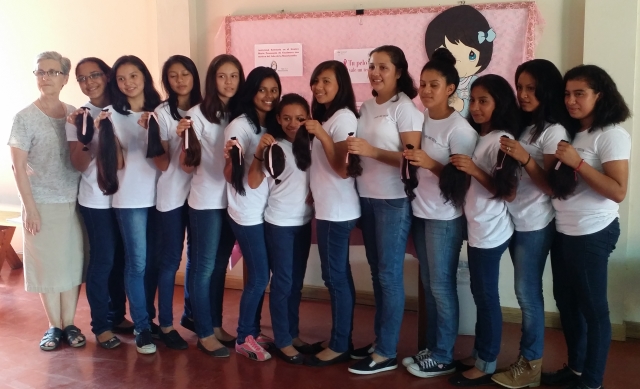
column 208, row 186
column 89, row 194
column 531, row 210
column 586, row 211
column 335, row 198
column 488, row 222
column 137, row 179
column 173, row 184
column 246, row 210
column 287, row 205
column 440, row 139
column 381, row 125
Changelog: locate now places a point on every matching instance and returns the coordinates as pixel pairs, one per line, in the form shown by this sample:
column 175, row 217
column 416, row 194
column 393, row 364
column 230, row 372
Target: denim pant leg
column 154, row 258
column 388, row 238
column 102, row 230
column 173, row 225
column 301, row 248
column 187, row 313
column 118, row 303
column 443, row 241
column 225, row 247
column 573, row 323
column 333, row 247
column 418, row 232
column 587, row 258
column 529, row 251
column 484, row 269
column 205, row 237
column 133, row 228
column 254, row 251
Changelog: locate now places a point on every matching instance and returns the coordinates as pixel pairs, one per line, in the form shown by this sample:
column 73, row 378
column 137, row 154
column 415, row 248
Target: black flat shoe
column 228, row 343
column 186, row 323
column 564, row 376
column 173, row 340
column 219, row 353
column 461, row 367
column 109, row 344
column 460, row 380
column 314, row 361
column 310, row 349
column 297, row 359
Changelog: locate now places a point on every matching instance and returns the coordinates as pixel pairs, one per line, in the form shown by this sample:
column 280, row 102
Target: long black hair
column 244, row 98
column 345, row 97
column 405, row 82
column 505, row 117
column 562, row 179
column 195, row 96
column 212, row 107
column 549, row 92
column 119, row 100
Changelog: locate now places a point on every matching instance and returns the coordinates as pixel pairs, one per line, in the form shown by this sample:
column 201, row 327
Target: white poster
column 284, row 58
column 356, row 61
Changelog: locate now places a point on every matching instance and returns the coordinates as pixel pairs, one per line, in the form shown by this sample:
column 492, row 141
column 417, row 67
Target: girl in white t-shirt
column 253, row 112
column 539, row 89
column 438, row 225
column 287, row 224
column 132, row 93
column 494, row 114
column 587, row 221
column 105, row 273
column 387, row 123
column 211, row 236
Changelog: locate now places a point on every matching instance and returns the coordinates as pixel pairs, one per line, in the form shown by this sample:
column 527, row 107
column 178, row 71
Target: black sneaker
column 362, row 352
column 155, row 330
column 564, row 376
column 144, row 343
column 369, row 366
column 429, row 367
column 173, row 340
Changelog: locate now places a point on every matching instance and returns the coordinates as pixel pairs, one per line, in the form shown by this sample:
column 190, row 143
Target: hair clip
column 489, row 36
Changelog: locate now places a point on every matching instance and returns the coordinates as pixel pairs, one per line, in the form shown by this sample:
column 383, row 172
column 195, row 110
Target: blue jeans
column 484, row 268
column 254, row 252
column 288, row 250
column 580, row 291
column 105, row 273
column 438, row 244
column 385, row 229
column 529, row 252
column 333, row 246
column 173, row 225
column 154, row 259
column 134, row 231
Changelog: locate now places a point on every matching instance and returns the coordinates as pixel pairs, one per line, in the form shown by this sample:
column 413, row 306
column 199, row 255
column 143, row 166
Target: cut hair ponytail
column 563, row 180
column 454, row 184
column 354, row 168
column 301, row 148
column 85, row 128
column 237, row 170
column 274, row 161
column 505, row 175
column 192, row 147
column 107, row 157
column 409, row 176
column 154, row 143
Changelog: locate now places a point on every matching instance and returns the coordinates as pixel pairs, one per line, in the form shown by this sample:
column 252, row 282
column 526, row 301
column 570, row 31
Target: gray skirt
column 54, row 257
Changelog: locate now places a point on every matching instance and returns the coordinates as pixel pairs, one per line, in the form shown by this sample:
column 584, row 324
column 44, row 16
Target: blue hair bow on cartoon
column 489, row 36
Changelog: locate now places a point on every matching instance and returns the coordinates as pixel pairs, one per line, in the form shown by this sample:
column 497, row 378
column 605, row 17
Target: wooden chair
column 7, row 229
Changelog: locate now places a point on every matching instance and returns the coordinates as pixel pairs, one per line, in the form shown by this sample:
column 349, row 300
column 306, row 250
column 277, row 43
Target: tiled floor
column 23, row 365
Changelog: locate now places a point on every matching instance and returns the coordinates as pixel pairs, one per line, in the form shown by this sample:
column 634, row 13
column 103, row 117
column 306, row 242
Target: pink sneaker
column 252, row 350
column 263, row 340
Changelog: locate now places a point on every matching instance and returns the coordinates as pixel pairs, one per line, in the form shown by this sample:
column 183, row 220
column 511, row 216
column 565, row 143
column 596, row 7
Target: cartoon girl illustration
column 465, row 32
column 274, row 65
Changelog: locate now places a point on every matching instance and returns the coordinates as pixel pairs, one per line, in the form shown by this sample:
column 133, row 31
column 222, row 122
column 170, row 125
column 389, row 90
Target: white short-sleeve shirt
column 208, row 185
column 585, row 211
column 335, row 198
column 381, row 125
column 246, row 210
column 440, row 139
column 174, row 183
column 531, row 210
column 488, row 222
column 89, row 194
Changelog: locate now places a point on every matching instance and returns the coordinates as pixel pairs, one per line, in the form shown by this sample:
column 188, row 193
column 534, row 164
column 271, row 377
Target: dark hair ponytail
column 84, row 127
column 354, row 168
column 454, row 184
column 505, row 175
column 192, row 147
column 274, row 161
column 562, row 180
column 107, row 158
column 154, row 143
column 409, row 175
column 301, row 148
column 237, row 170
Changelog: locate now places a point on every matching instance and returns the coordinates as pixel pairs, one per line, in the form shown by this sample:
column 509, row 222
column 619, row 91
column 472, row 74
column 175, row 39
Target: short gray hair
column 65, row 63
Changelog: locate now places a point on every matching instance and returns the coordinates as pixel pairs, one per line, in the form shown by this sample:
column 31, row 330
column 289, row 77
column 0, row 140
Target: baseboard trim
column 633, row 329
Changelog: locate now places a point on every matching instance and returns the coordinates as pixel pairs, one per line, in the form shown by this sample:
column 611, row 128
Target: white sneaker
column 422, row 355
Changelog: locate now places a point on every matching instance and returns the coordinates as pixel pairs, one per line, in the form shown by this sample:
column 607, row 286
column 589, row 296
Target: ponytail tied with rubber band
column 192, row 147
column 85, row 128
column 301, row 148
column 237, row 170
column 563, row 179
column 274, row 161
column 154, row 143
column 454, row 184
column 354, row 168
column 107, row 155
column 409, row 176
column 505, row 175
